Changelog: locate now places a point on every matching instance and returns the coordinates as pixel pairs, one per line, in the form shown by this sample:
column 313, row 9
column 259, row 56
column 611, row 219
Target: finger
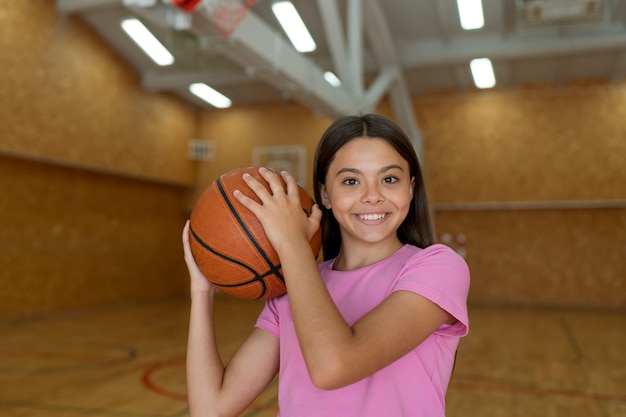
column 316, row 214
column 292, row 184
column 186, row 234
column 246, row 201
column 257, row 187
column 189, row 259
column 273, row 180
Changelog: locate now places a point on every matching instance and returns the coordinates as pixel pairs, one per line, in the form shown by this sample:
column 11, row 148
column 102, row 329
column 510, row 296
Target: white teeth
column 371, row 216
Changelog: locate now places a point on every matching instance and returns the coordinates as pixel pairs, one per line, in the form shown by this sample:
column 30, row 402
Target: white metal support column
column 380, row 40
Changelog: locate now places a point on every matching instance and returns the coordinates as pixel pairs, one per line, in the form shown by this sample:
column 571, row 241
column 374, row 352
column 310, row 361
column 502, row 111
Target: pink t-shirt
column 414, row 385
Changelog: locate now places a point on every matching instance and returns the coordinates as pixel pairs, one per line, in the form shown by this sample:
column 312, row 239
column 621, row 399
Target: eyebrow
column 382, row 170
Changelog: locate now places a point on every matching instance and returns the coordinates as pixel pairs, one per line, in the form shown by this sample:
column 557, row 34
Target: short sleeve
column 268, row 319
column 442, row 276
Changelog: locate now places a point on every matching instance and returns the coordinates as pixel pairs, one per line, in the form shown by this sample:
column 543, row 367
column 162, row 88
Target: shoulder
column 438, row 265
column 436, row 254
column 441, row 275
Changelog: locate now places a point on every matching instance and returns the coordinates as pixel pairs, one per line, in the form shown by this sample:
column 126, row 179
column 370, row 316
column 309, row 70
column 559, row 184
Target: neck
column 352, row 256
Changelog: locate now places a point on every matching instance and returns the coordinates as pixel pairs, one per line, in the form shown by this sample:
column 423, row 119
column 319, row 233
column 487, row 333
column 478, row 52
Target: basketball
column 229, row 244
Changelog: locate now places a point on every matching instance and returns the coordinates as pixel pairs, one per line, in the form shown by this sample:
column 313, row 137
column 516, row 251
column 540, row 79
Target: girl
column 371, row 331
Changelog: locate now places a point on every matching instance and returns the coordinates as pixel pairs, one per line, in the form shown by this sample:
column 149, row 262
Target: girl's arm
column 336, row 354
column 212, row 389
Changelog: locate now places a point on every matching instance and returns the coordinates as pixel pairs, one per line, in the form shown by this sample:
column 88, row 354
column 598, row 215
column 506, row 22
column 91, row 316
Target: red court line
column 146, row 379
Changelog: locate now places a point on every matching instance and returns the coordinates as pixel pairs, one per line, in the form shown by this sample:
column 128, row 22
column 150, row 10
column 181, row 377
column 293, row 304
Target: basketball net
column 225, row 14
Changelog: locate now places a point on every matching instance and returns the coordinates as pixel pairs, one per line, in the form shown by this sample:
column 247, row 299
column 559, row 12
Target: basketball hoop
column 225, row 14
column 185, row 5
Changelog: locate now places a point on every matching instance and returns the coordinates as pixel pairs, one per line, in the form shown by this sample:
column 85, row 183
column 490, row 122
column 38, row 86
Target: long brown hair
column 416, row 228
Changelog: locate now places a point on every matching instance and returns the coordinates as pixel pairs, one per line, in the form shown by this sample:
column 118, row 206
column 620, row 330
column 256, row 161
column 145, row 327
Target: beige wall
column 73, row 238
column 93, row 170
column 552, row 144
column 239, row 131
column 67, row 98
column 95, row 183
column 544, row 158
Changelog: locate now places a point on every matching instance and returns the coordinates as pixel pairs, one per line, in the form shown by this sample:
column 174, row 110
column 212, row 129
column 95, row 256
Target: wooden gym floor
column 128, row 361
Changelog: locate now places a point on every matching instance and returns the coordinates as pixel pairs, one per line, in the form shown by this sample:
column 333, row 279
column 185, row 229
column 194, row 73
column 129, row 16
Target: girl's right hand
column 199, row 283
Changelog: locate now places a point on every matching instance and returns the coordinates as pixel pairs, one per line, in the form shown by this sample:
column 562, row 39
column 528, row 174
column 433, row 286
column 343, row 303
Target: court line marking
column 534, row 391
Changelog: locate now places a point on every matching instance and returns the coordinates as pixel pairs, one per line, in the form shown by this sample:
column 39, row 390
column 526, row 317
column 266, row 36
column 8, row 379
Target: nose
column 373, row 194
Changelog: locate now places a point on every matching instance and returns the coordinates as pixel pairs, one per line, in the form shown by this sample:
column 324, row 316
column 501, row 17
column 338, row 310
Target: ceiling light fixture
column 482, row 72
column 471, row 14
column 147, row 41
column 293, row 26
column 332, row 79
column 206, row 93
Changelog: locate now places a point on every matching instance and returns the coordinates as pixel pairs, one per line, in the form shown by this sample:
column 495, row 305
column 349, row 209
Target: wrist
column 293, row 247
column 203, row 294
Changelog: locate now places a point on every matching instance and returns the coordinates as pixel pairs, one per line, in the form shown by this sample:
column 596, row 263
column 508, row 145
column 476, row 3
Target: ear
column 324, row 195
column 412, row 186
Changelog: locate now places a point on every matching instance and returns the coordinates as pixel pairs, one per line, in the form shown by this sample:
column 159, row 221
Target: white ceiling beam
column 333, row 28
column 154, row 81
column 380, row 86
column 255, row 44
column 504, row 16
column 422, row 54
column 355, row 47
column 381, row 43
column 348, row 62
column 442, row 16
column 81, row 6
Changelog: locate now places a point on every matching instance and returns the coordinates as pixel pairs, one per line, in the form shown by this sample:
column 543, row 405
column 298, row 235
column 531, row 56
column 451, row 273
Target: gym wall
column 533, row 182
column 95, row 182
column 529, row 185
column 92, row 170
column 239, row 131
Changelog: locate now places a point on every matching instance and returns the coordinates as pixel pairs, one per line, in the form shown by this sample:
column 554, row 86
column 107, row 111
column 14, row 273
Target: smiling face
column 369, row 189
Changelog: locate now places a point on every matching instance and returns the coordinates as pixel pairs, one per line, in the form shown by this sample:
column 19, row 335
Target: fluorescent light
column 482, row 71
column 209, row 95
column 147, row 41
column 332, row 79
column 293, row 26
column 471, row 14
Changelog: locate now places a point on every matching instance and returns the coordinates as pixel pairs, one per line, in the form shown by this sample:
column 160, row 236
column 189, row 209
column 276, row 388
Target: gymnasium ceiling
column 401, row 48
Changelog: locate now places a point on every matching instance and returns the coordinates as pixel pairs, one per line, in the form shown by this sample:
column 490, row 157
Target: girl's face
column 369, row 190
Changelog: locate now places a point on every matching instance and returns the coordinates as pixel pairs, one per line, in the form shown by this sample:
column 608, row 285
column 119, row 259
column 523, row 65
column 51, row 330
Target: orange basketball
column 229, row 244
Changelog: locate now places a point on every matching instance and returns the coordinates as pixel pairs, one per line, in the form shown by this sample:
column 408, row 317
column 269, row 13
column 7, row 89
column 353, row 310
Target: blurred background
column 103, row 152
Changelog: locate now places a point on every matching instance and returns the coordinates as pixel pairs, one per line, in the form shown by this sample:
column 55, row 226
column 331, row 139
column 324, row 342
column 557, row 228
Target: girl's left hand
column 280, row 212
column 198, row 281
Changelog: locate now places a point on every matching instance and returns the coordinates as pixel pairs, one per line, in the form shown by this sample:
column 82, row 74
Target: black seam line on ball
column 273, row 269
column 256, row 277
column 228, row 258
